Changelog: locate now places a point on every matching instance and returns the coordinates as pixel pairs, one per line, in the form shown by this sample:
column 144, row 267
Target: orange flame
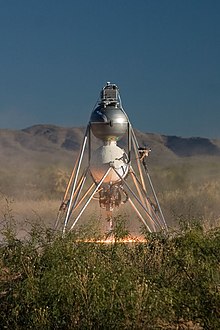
column 112, row 239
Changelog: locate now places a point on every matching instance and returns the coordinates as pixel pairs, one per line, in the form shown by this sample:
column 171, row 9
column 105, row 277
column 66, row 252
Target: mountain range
column 49, row 142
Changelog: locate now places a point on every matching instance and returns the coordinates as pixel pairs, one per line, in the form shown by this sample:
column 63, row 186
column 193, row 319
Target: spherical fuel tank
column 101, row 159
column 108, row 121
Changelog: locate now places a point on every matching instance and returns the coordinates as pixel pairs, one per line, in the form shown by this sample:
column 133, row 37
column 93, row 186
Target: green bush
column 171, row 281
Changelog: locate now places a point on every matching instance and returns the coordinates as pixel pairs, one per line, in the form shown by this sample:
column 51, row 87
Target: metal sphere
column 108, row 123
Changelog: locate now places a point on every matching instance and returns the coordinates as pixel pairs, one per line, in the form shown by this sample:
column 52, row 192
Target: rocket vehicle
column 111, row 174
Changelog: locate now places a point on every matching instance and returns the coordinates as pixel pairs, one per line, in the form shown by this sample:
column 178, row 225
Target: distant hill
column 185, row 147
column 51, row 142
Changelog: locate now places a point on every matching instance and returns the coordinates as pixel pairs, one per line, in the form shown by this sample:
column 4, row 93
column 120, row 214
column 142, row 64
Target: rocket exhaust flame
column 112, row 240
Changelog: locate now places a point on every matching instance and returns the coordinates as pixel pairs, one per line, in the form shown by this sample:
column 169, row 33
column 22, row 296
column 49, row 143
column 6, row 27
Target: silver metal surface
column 108, row 123
column 108, row 120
column 75, row 179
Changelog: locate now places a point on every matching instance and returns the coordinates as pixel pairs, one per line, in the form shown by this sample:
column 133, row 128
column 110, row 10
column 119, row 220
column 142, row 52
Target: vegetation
column 170, row 281
column 189, row 189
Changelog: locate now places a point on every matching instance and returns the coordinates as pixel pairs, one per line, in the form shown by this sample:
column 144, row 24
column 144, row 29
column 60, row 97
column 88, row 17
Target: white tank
column 102, row 157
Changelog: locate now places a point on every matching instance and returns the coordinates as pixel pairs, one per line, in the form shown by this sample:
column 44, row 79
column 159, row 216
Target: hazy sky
column 55, row 56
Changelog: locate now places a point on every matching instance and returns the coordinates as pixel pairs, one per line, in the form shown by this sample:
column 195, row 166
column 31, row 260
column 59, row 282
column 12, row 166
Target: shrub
column 52, row 282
